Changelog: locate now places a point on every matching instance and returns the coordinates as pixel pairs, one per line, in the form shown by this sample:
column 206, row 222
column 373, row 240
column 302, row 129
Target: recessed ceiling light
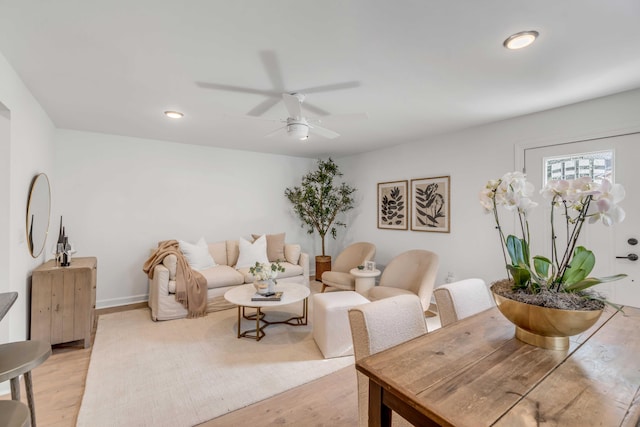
column 174, row 114
column 520, row 40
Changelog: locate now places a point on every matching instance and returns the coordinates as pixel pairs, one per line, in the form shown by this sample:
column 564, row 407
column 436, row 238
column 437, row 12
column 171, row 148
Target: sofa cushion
column 197, row 254
column 219, row 252
column 290, row 270
column 251, row 253
column 233, row 251
column 275, row 246
column 222, row 275
column 292, row 253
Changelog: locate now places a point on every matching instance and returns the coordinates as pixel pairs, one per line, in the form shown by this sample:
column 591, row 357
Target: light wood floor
column 329, row 401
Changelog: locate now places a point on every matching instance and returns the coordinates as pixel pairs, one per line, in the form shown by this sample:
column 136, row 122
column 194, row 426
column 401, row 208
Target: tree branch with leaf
column 319, row 200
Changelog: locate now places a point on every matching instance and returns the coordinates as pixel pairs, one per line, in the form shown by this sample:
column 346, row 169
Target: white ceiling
column 417, row 68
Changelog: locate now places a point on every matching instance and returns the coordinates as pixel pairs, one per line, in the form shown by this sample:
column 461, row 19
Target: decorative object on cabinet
column 63, row 301
column 430, row 204
column 63, row 248
column 38, row 211
column 392, row 205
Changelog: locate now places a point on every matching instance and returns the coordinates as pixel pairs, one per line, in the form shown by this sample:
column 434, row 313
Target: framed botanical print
column 393, row 205
column 431, row 207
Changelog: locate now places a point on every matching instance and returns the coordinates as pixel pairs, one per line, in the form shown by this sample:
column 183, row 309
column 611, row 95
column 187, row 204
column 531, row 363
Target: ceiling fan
column 297, row 126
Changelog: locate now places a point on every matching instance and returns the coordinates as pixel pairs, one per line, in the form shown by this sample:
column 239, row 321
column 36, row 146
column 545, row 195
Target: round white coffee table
column 365, row 280
column 291, row 293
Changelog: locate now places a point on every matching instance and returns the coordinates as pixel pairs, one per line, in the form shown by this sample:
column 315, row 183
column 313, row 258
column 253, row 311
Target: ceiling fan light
column 174, row 114
column 298, row 131
column 520, row 40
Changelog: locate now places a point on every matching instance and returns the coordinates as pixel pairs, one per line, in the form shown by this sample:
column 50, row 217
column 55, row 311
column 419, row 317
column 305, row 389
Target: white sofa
column 220, row 278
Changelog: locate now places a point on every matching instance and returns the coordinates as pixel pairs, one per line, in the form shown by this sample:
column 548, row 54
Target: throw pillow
column 197, row 254
column 275, row 246
column 250, row 253
column 292, row 253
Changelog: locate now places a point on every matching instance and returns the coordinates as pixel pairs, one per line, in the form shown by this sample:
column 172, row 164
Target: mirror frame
column 39, row 195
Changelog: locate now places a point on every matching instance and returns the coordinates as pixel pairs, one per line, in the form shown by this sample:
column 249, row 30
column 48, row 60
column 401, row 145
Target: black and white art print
column 430, row 201
column 393, row 205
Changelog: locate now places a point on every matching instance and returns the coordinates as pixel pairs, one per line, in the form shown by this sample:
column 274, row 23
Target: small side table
column 365, row 280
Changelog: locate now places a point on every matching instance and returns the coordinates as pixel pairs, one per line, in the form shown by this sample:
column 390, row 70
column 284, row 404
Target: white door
column 607, row 243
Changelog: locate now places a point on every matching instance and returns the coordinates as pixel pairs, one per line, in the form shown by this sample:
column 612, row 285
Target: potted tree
column 318, row 201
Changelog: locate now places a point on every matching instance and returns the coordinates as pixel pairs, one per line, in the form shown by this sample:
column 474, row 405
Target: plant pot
column 545, row 327
column 323, row 263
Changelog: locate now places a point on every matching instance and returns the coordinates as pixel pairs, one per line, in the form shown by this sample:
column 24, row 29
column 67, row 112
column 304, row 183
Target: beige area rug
column 184, row 372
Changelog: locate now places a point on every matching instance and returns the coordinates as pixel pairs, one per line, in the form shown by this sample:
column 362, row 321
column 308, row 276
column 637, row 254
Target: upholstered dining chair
column 352, row 256
column 462, row 299
column 378, row 325
column 411, row 272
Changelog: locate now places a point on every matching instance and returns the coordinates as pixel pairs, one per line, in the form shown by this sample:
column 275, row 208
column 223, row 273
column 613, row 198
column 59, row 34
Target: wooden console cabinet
column 63, row 301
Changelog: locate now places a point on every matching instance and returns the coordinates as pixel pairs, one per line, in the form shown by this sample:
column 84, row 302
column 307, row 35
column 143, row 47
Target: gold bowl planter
column 545, row 327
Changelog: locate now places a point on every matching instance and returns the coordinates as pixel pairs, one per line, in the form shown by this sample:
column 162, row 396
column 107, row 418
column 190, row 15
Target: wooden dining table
column 476, row 373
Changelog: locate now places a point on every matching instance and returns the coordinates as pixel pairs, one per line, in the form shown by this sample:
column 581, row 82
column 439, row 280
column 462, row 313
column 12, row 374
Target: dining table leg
column 379, row 413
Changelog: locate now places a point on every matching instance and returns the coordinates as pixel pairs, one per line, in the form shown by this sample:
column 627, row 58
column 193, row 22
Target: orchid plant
column 577, row 200
column 266, row 271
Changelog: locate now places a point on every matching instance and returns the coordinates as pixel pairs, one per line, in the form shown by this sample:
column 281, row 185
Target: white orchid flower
column 606, row 199
column 486, row 199
column 557, row 187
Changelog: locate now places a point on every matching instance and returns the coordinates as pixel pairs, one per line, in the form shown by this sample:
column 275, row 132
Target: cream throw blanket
column 191, row 286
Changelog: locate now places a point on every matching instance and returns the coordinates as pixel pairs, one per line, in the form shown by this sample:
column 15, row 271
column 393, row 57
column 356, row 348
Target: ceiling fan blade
column 316, row 110
column 277, row 131
column 263, row 107
column 327, row 88
column 231, row 88
column 323, row 132
column 293, row 105
column 338, row 118
column 272, row 66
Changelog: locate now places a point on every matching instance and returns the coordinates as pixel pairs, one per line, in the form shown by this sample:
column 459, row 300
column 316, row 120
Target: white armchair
column 352, row 256
column 411, row 272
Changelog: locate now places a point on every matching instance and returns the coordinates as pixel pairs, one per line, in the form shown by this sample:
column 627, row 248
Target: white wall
column 471, row 157
column 27, row 148
column 119, row 196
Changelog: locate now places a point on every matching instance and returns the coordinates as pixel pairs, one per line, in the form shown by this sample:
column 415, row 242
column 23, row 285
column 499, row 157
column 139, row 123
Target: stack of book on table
column 275, row 296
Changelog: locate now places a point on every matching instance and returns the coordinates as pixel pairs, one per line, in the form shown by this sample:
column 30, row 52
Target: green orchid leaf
column 581, row 265
column 592, row 281
column 520, row 276
column 541, row 265
column 515, row 249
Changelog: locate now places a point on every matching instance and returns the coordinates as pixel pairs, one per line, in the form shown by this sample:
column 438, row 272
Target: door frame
column 520, row 148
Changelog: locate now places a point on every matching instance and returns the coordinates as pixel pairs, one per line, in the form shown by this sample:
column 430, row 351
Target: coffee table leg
column 258, row 330
column 239, row 320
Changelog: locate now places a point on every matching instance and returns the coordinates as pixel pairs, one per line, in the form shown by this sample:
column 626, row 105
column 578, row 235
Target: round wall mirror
column 38, row 212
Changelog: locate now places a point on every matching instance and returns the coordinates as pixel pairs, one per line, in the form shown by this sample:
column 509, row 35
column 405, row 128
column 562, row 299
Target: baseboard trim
column 126, row 307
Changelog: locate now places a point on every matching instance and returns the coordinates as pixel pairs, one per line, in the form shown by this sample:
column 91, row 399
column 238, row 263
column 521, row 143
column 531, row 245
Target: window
column 597, row 165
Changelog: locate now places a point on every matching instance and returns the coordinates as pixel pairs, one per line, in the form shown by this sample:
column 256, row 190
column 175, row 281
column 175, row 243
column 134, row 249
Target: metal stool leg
column 15, row 388
column 29, row 387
